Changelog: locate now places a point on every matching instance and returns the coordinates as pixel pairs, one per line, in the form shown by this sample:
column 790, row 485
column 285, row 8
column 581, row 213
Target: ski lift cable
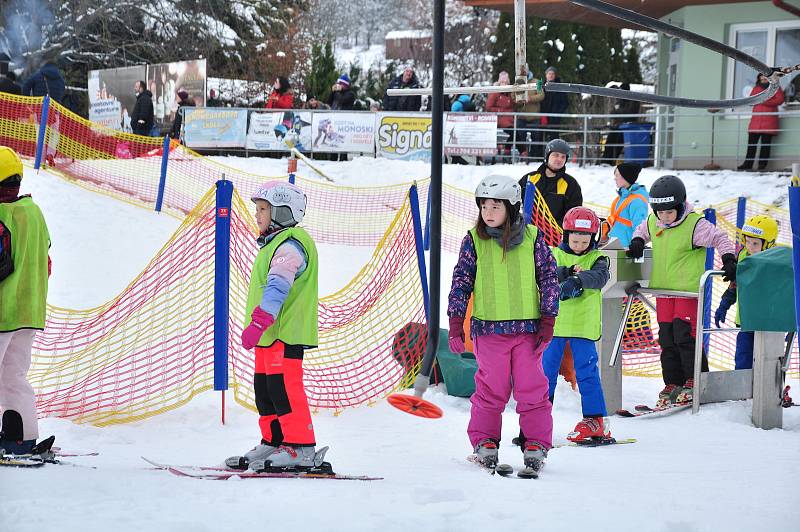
column 773, row 73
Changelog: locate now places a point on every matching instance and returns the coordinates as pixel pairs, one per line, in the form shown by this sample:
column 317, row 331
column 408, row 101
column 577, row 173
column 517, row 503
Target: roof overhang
column 566, row 10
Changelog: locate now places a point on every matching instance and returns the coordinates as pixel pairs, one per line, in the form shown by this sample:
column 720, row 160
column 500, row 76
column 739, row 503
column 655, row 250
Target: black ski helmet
column 558, row 146
column 667, row 192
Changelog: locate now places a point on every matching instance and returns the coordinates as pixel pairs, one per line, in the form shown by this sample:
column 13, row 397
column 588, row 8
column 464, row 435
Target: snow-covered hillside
column 709, row 472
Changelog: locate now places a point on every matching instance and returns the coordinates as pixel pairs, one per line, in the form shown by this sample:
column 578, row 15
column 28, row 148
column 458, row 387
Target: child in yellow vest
column 582, row 272
column 680, row 238
column 512, row 273
column 759, row 233
column 24, row 272
column 281, row 323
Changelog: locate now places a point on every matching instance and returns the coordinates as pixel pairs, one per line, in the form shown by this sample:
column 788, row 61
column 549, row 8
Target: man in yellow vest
column 23, row 295
column 560, row 190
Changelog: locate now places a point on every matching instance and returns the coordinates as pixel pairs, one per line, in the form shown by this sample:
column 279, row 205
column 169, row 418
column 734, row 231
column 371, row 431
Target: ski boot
column 486, row 453
column 668, row 395
column 260, row 452
column 685, row 395
column 533, row 456
column 290, row 459
column 11, row 442
column 591, row 429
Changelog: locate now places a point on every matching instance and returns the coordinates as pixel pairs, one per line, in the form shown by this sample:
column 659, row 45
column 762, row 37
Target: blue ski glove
column 571, row 287
column 728, row 299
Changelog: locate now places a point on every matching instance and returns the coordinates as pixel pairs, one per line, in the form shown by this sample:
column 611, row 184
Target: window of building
column 776, row 44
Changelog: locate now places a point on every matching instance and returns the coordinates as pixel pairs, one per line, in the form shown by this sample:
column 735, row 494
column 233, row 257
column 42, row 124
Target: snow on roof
column 408, row 34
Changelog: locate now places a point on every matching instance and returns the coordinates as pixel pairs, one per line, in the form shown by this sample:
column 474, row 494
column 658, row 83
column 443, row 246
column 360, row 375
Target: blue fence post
column 741, row 211
column 222, row 245
column 413, row 199
column 711, row 216
column 426, row 241
column 530, row 196
column 162, row 181
column 42, row 131
column 794, row 217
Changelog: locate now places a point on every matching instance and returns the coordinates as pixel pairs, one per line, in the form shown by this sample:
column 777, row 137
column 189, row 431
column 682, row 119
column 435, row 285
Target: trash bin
column 458, row 370
column 637, row 138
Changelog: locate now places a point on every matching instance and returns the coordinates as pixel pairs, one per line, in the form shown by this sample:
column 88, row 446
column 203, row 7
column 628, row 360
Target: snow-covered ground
column 708, row 472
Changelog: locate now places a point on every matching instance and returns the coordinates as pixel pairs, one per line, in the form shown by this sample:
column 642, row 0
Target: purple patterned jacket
column 464, row 281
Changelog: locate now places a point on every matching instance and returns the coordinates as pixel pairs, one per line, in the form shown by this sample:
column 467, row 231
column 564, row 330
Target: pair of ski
column 644, row 410
column 506, row 470
column 323, row 472
column 43, row 453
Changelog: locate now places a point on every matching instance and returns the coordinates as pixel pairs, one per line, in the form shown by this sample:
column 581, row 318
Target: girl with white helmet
column 281, row 323
column 759, row 233
column 509, row 269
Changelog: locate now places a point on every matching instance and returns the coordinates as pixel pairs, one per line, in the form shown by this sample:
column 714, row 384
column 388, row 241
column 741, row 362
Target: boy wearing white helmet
column 758, row 234
column 280, row 323
column 24, row 272
column 511, row 272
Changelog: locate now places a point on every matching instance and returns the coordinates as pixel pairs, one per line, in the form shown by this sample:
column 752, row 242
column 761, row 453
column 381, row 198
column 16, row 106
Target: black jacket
column 6, row 85
column 559, row 204
column 48, row 80
column 402, row 103
column 175, row 133
column 342, row 100
column 555, row 102
column 142, row 114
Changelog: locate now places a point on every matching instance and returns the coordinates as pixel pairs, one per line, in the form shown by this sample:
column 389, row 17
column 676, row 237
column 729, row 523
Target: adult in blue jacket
column 630, row 208
column 47, row 80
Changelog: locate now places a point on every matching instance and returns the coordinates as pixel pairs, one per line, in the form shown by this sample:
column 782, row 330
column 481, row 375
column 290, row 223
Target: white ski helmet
column 287, row 200
column 499, row 187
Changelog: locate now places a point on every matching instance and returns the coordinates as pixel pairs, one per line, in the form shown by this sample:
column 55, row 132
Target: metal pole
column 413, row 200
column 711, row 216
column 520, row 46
column 585, row 139
column 794, row 216
column 621, row 331
column 698, row 346
column 437, row 111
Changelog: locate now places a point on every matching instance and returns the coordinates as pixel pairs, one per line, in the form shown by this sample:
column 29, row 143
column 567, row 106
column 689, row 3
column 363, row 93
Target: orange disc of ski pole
column 415, row 405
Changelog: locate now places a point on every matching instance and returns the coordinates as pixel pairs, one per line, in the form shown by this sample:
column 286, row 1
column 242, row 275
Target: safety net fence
column 127, row 359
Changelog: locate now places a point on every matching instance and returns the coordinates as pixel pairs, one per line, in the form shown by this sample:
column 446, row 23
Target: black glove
column 729, row 267
column 636, row 248
column 728, row 299
column 571, row 287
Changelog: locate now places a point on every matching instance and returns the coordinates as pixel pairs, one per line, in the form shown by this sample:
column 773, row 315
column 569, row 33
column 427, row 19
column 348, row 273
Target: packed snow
column 709, row 472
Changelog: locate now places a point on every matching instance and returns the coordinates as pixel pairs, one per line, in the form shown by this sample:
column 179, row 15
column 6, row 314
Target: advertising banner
column 470, row 134
column 215, row 127
column 165, row 80
column 405, row 137
column 268, row 130
column 112, row 97
column 344, row 132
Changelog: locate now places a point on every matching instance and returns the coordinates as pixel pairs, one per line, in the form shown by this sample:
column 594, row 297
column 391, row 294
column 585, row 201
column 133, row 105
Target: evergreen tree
column 633, row 70
column 323, row 73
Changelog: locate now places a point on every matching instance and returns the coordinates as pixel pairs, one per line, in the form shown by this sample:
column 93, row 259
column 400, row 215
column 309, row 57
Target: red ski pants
column 280, row 396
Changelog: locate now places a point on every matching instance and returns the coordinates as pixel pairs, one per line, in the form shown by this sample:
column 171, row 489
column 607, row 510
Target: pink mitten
column 455, row 337
column 262, row 321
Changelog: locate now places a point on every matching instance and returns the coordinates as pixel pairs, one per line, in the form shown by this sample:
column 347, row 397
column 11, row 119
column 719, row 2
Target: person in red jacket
column 282, row 96
column 503, row 102
column 762, row 126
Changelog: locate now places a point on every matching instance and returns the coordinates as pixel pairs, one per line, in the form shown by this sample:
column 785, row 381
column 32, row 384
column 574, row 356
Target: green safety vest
column 505, row 287
column 23, row 294
column 677, row 263
column 296, row 323
column 579, row 317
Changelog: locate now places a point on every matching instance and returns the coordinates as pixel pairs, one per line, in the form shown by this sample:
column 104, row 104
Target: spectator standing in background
column 342, row 97
column 183, row 102
column 213, row 101
column 407, row 80
column 554, row 102
column 282, row 96
column 47, row 80
column 762, row 126
column 142, row 115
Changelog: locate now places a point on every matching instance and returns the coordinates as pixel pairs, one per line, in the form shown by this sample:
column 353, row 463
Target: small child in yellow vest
column 510, row 270
column 281, row 323
column 680, row 238
column 759, row 233
column 582, row 271
column 24, row 272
